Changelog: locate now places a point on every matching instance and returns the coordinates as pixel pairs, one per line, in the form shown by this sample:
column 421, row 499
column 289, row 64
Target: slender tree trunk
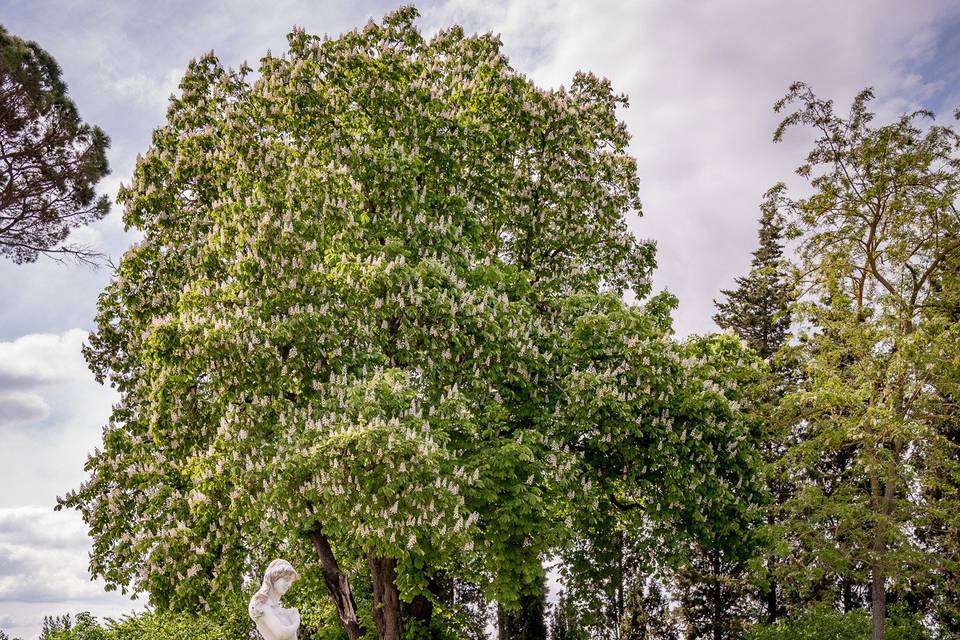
column 847, row 591
column 772, row 609
column 337, row 585
column 878, row 592
column 717, row 599
column 621, row 579
column 386, row 597
column 878, row 572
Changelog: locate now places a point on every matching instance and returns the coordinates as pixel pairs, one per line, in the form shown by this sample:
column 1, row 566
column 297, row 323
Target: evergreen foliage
column 757, row 310
column 715, row 603
column 648, row 616
column 52, row 160
column 528, row 621
column 565, row 621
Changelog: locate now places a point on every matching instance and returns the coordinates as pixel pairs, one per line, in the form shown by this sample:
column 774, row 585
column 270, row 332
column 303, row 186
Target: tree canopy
column 377, row 318
column 877, row 236
column 50, row 160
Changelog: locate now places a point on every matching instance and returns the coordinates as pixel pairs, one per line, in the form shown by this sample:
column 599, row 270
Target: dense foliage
column 376, row 326
column 51, row 160
column 824, row 622
column 875, row 237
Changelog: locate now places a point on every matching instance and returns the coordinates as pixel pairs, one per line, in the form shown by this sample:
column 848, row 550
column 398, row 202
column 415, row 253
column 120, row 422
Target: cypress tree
column 564, row 621
column 529, row 621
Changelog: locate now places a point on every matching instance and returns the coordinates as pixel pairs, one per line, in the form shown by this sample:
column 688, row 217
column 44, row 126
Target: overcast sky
column 701, row 77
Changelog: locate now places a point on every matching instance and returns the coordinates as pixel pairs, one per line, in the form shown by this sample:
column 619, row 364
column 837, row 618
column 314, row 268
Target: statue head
column 276, row 579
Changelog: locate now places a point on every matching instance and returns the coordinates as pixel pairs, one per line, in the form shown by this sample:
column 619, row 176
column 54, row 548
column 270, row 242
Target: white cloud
column 60, row 409
column 40, row 359
column 43, row 556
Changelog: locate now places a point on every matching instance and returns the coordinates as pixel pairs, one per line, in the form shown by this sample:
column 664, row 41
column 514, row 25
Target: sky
column 701, row 78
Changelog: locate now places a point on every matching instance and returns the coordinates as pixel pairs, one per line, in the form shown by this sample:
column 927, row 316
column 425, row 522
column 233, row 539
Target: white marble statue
column 275, row 622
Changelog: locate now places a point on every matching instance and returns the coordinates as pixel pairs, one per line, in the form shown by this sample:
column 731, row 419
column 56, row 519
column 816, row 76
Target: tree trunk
column 717, row 597
column 847, row 590
column 621, row 579
column 386, row 598
column 420, row 611
column 337, row 585
column 772, row 609
column 878, row 592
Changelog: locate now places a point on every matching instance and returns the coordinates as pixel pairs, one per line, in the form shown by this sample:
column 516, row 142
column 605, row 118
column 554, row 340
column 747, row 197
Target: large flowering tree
column 376, row 320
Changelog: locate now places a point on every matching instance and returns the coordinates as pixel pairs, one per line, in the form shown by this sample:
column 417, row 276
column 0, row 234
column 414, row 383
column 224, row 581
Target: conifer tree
column 714, row 583
column 52, row 160
column 757, row 310
column 527, row 621
column 565, row 621
column 648, row 617
column 714, row 601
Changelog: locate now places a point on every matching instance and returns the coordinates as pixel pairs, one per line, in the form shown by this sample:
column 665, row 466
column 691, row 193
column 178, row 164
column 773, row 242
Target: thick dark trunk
column 386, row 598
column 420, row 611
column 337, row 585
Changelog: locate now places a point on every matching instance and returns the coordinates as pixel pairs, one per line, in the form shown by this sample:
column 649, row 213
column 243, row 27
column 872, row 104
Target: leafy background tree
column 880, row 224
column 50, row 160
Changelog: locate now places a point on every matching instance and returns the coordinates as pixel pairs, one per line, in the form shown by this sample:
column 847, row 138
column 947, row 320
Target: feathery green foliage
column 875, row 234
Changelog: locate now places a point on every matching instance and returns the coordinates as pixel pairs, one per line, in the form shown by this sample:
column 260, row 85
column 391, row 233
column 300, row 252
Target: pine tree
column 714, row 602
column 52, row 160
column 758, row 311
